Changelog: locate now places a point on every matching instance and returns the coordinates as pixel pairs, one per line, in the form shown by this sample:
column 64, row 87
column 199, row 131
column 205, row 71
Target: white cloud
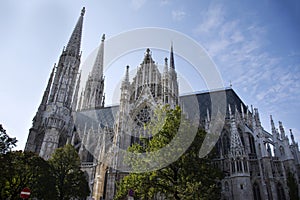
column 164, row 2
column 212, row 19
column 218, row 45
column 137, row 4
column 237, row 37
column 178, row 15
column 240, row 51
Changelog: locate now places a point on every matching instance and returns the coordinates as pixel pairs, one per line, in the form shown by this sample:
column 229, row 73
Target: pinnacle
column 83, row 11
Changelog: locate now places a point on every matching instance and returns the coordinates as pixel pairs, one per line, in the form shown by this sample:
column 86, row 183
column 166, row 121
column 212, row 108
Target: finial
column 127, row 74
column 281, row 130
column 292, row 136
column 148, row 51
column 172, row 63
column 83, row 11
column 103, row 37
column 166, row 65
column 230, row 83
column 272, row 123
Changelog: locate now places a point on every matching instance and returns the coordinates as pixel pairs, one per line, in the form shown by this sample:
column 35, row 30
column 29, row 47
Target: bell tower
column 53, row 123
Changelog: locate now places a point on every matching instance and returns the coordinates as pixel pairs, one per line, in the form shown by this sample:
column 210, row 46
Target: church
column 257, row 163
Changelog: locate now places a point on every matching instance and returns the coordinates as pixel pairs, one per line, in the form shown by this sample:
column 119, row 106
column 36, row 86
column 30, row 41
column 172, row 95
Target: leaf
column 182, row 179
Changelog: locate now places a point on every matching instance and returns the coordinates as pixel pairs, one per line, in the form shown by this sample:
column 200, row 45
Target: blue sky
column 254, row 44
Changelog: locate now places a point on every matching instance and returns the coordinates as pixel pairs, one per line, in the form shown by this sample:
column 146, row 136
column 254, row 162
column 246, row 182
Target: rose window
column 143, row 116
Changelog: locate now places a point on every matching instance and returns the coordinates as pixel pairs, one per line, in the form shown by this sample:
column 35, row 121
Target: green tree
column 70, row 180
column 293, row 186
column 6, row 142
column 189, row 177
column 25, row 169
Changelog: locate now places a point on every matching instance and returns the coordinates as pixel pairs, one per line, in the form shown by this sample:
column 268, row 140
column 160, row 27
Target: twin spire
column 95, row 84
column 94, row 87
column 97, row 70
column 74, row 43
column 172, row 63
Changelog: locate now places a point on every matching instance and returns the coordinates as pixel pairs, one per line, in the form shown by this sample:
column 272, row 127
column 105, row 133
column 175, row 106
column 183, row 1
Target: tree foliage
column 189, row 177
column 70, row 180
column 25, row 169
column 6, row 142
column 58, row 178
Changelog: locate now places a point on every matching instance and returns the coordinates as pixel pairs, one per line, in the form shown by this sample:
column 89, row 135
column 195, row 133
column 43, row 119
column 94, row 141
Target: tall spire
column 44, row 138
column 172, row 63
column 75, row 40
column 97, row 71
column 94, row 86
column 70, row 57
column 236, row 146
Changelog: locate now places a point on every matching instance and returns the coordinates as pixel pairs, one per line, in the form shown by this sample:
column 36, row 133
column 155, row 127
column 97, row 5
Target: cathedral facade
column 257, row 164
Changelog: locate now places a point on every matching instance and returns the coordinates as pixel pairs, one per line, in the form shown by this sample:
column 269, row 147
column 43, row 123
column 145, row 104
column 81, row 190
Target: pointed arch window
column 245, row 165
column 281, row 149
column 143, row 116
column 232, row 165
column 252, row 144
column 256, row 192
column 225, row 142
column 239, row 165
column 226, row 186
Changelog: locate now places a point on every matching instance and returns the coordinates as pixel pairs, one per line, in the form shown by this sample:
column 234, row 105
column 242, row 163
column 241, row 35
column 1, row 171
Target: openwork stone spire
column 97, row 71
column 49, row 129
column 172, row 63
column 236, row 146
column 94, row 88
column 75, row 40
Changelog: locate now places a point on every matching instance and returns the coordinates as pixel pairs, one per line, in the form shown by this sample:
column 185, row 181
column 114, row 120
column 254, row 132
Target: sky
column 255, row 46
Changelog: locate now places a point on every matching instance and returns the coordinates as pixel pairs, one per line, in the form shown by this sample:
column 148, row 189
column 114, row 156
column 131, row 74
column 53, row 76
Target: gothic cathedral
column 256, row 163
